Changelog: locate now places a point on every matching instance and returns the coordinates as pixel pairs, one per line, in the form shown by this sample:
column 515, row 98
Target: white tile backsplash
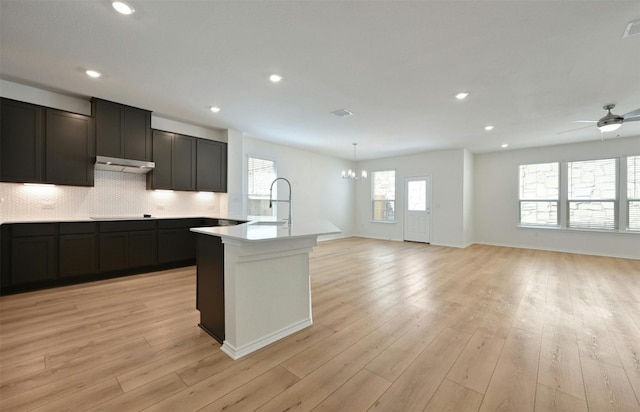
column 114, row 194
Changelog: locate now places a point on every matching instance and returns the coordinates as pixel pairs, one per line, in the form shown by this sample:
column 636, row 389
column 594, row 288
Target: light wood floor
column 397, row 327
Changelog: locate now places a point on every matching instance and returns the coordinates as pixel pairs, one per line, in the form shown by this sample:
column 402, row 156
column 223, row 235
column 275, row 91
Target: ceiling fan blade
column 573, row 130
column 628, row 116
column 585, row 121
column 632, row 119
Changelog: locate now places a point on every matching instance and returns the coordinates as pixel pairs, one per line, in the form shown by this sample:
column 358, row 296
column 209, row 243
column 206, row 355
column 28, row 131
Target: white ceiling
column 531, row 67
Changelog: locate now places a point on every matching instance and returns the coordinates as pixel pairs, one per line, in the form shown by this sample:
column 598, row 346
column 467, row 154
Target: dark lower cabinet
column 176, row 242
column 210, row 285
column 78, row 255
column 37, row 255
column 142, row 250
column 33, row 259
column 78, row 246
column 33, row 253
column 114, row 251
column 127, row 245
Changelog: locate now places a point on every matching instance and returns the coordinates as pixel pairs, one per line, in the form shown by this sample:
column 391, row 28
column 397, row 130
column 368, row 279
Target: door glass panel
column 417, row 195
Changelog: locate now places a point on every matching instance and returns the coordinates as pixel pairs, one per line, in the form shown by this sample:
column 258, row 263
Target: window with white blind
column 539, row 188
column 383, row 199
column 633, row 192
column 592, row 197
column 261, row 173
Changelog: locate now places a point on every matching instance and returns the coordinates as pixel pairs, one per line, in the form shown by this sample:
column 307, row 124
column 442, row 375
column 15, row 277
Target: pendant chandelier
column 351, row 174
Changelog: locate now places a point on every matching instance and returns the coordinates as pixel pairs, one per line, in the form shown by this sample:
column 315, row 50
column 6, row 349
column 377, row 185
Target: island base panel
column 210, row 286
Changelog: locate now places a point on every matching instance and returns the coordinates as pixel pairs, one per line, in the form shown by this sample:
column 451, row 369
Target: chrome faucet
column 283, row 201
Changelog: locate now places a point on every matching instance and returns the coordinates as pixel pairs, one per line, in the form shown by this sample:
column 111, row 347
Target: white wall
column 447, row 171
column 496, row 201
column 318, row 191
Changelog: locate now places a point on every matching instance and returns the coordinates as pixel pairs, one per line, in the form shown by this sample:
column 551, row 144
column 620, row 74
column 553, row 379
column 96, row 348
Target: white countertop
column 270, row 230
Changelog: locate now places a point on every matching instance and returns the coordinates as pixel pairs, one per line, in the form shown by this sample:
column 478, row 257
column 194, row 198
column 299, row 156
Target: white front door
column 417, row 213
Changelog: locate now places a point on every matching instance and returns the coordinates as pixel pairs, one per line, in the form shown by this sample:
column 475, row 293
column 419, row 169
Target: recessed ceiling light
column 275, row 78
column 93, row 73
column 462, row 96
column 214, row 109
column 123, row 8
column 489, row 127
column 503, row 145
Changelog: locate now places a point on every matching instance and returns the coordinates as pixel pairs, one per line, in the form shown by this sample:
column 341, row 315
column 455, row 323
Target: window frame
column 621, row 205
column 615, row 200
column 248, row 196
column 384, row 201
column 556, row 201
column 630, row 199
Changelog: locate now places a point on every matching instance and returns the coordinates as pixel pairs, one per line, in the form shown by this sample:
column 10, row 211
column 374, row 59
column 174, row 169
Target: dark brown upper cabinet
column 69, row 148
column 211, row 160
column 43, row 145
column 122, row 131
column 21, row 142
column 175, row 159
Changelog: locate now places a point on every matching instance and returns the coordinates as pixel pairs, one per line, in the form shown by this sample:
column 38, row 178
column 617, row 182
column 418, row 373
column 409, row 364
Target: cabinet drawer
column 33, row 229
column 77, row 228
column 127, row 225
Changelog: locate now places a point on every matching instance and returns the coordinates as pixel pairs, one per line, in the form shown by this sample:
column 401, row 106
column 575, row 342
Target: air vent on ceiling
column 633, row 28
column 342, row 113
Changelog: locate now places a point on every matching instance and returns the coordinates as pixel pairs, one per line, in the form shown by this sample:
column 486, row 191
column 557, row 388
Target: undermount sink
column 270, row 222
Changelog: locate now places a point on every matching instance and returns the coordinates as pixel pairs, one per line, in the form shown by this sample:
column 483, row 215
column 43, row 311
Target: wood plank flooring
column 397, row 327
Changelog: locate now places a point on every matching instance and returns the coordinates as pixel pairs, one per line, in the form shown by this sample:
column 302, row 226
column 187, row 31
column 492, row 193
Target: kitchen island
column 253, row 281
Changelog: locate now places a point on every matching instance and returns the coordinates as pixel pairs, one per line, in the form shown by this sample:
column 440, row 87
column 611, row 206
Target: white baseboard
column 561, row 250
column 236, row 353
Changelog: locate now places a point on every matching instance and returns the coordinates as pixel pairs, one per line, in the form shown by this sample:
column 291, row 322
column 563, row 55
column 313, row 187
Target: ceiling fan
column 611, row 121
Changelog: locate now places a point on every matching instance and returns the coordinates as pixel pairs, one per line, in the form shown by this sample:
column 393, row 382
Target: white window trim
column 275, row 168
column 558, row 200
column 395, row 202
column 616, row 200
column 563, row 202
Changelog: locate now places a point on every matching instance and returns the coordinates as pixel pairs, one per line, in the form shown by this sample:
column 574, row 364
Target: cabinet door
column 70, row 148
column 176, row 245
column 114, row 248
column 184, row 162
column 211, row 162
column 109, row 137
column 143, row 249
column 160, row 176
column 33, row 259
column 21, row 142
column 78, row 255
column 137, row 133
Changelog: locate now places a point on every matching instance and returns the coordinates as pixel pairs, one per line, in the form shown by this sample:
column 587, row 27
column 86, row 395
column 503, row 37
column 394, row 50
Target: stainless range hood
column 115, row 164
